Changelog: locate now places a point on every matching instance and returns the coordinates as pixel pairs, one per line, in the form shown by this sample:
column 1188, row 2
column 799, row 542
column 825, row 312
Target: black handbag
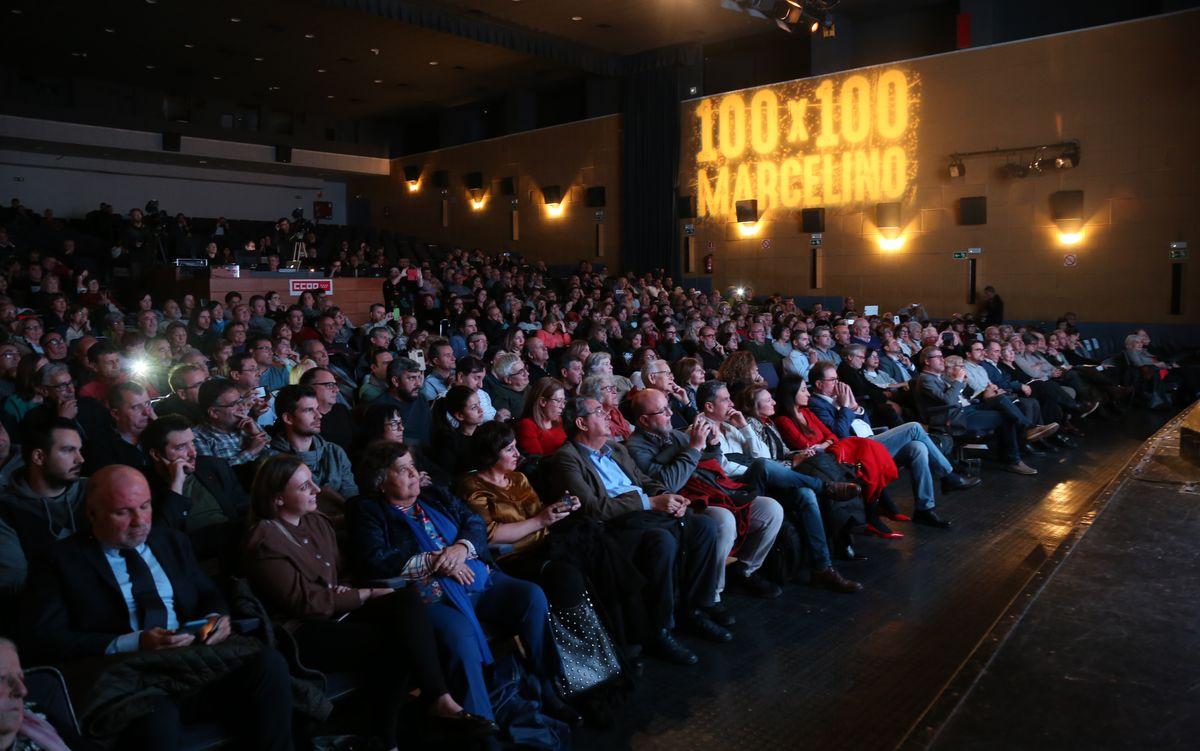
column 585, row 650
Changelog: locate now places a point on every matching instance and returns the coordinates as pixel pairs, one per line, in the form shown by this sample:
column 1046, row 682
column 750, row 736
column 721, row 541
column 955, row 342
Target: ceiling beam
column 487, row 30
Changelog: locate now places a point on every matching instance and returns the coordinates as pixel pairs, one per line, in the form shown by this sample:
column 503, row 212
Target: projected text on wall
column 817, row 142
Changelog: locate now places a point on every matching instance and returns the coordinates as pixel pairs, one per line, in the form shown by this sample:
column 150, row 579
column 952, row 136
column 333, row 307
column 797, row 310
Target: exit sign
column 960, row 255
column 1178, row 254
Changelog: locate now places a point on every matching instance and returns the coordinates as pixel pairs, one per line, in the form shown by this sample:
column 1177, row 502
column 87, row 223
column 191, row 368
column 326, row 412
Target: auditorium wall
column 573, row 156
column 75, row 185
column 848, row 141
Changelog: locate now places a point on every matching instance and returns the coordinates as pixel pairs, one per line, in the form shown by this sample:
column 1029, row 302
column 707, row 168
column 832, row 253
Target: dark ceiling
column 356, row 62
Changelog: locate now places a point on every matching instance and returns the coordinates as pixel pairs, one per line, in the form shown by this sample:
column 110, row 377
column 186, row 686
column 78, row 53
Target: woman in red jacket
column 540, row 430
column 803, row 431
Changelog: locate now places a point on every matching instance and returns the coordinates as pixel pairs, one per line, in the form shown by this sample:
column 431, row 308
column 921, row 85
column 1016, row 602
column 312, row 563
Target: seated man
column 743, row 457
column 129, row 406
column 672, row 457
column 197, row 495
column 59, row 399
column 940, row 399
column 908, row 444
column 511, row 384
column 884, row 410
column 612, row 489
column 185, row 380
column 43, row 501
column 440, row 372
column 128, row 586
column 984, row 392
column 337, row 421
column 298, row 432
column 227, row 432
column 656, row 374
column 374, row 381
column 1038, row 368
column 470, row 371
column 404, row 393
column 757, row 345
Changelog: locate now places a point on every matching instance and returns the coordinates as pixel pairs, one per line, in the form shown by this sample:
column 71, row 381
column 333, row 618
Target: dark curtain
column 649, row 171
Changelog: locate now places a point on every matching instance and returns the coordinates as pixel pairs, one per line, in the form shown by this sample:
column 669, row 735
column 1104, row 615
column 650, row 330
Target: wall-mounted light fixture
column 412, row 177
column 1027, row 160
column 957, row 167
column 887, row 221
column 747, row 218
column 1066, row 209
column 474, row 183
column 552, row 196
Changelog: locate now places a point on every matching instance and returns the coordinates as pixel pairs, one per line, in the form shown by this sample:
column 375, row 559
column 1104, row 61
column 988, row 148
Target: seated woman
column 602, row 389
column 739, row 372
column 600, row 363
column 292, row 560
column 557, row 561
column 455, row 417
column 803, row 432
column 383, row 422
column 540, row 431
column 427, row 537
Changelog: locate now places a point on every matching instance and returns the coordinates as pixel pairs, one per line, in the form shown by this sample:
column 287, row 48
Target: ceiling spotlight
column 216, row 78
column 189, row 46
column 433, row 62
column 576, row 18
column 374, row 50
column 1069, row 159
column 378, row 80
column 310, row 36
column 234, row 19
column 259, row 59
column 272, row 88
column 320, row 70
column 329, row 96
column 109, row 30
column 17, row 11
column 787, row 14
column 149, row 67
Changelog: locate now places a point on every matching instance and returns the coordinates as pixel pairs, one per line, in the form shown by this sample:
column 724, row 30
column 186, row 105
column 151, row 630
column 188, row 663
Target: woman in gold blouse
column 577, row 555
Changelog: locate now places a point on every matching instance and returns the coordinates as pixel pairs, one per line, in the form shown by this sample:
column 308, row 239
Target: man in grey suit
column 940, row 400
column 611, row 489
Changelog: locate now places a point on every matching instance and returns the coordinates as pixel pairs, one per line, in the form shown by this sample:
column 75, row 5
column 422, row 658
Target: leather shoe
column 1041, row 431
column 699, row 624
column 720, row 614
column 463, row 725
column 830, row 579
column 954, row 481
column 668, row 648
column 929, row 518
column 1020, row 468
column 754, row 585
column 841, row 491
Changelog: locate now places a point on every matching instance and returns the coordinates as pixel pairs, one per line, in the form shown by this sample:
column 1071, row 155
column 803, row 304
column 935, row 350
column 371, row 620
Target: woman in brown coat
column 292, row 561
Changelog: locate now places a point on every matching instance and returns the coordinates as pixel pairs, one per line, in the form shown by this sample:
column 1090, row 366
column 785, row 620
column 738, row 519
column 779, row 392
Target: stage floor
column 877, row 670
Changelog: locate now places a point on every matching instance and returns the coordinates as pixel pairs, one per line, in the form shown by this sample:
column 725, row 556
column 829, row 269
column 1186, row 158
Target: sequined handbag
column 586, row 651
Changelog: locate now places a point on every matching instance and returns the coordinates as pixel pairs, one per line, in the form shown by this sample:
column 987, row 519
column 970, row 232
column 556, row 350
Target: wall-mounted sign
column 766, row 243
column 816, row 240
column 960, row 255
column 1178, row 251
column 710, row 245
column 841, row 140
column 298, row 286
column 974, row 251
column 1070, row 260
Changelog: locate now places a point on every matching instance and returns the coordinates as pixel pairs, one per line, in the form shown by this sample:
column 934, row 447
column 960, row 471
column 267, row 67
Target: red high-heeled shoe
column 872, row 530
column 897, row 517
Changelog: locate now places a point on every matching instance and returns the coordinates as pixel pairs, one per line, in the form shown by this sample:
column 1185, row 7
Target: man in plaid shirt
column 227, row 431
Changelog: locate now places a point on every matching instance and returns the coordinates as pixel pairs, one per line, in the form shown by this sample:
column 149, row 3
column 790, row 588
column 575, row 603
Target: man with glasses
column 941, row 401
column 271, row 375
column 227, row 432
column 669, row 347
column 510, row 383
column 404, row 393
column 243, row 371
column 909, row 445
column 877, row 401
column 758, row 346
column 612, row 489
column 674, row 458
column 656, row 374
column 710, row 353
column 185, row 380
column 337, row 422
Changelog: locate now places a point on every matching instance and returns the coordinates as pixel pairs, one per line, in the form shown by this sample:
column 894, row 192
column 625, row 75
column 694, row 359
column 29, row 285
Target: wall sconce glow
column 477, row 203
column 1070, row 238
column 554, row 210
column 891, row 243
column 749, row 229
column 414, row 186
column 552, row 196
column 412, row 176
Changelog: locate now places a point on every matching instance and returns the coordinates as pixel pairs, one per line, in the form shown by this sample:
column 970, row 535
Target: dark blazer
column 836, row 418
column 894, row 369
column 73, row 607
column 670, row 459
column 937, row 399
column 171, row 509
column 868, row 394
column 380, row 543
column 93, row 418
column 1002, row 378
column 108, row 449
column 173, row 405
column 571, row 470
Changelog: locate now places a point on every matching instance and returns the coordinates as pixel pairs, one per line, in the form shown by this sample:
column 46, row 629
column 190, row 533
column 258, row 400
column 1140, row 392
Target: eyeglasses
column 394, row 424
column 231, row 405
column 326, row 384
column 560, row 400
column 664, row 411
column 62, row 387
column 611, row 389
column 935, row 357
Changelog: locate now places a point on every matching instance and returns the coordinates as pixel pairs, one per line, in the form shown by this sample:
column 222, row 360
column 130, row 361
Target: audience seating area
column 483, row 514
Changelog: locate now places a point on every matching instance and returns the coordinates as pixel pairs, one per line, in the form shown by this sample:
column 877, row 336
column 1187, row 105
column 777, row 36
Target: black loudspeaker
column 441, row 179
column 686, row 207
column 508, row 186
column 1066, row 205
column 747, row 211
column 595, row 197
column 551, row 194
column 474, row 180
column 887, row 215
column 283, row 154
column 171, row 141
column 812, row 220
column 412, row 172
column 972, row 210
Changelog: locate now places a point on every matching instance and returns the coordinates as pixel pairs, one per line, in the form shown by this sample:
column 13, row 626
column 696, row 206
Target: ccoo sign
column 321, row 286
